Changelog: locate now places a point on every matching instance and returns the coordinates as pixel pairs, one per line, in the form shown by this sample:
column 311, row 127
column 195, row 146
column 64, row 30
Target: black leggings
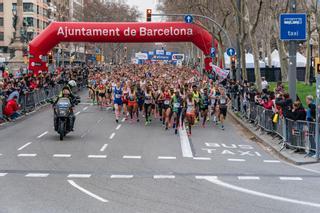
column 147, row 110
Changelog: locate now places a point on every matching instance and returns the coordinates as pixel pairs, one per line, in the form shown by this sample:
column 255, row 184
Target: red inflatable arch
column 124, row 32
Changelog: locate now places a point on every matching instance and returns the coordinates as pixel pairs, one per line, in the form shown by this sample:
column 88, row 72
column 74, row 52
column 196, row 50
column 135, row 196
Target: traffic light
column 50, row 57
column 233, row 63
column 149, row 13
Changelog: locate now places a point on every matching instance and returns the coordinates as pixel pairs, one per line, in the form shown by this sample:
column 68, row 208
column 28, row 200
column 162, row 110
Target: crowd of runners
column 175, row 96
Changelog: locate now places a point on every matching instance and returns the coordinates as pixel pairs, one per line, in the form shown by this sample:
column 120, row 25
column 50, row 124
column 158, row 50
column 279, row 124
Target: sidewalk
column 273, row 143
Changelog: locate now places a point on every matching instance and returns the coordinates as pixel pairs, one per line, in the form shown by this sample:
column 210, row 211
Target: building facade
column 35, row 19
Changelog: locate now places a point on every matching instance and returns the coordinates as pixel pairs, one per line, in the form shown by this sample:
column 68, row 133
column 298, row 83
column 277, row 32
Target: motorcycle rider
column 66, row 93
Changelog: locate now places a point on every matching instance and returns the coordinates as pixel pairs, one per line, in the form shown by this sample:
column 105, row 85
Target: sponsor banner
column 176, row 57
column 159, row 52
column 143, row 56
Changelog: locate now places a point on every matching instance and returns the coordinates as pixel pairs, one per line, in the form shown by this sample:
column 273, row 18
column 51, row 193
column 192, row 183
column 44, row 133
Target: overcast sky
column 143, row 5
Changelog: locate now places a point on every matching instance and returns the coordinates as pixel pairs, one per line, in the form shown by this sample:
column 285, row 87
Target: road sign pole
column 317, row 115
column 238, row 72
column 292, row 72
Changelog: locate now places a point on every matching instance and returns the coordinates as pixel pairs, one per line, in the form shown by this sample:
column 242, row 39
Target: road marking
column 3, row 174
column 123, row 119
column 118, row 127
column 131, row 157
column 248, row 178
column 112, row 135
column 185, row 144
column 37, row 175
column 271, row 161
column 99, row 120
column 166, row 158
column 24, row 146
column 201, row 158
column 27, row 155
column 164, row 177
column 77, row 113
column 258, row 154
column 97, row 156
column 62, row 155
column 85, row 108
column 236, row 160
column 260, row 194
column 87, row 192
column 121, row 176
column 290, row 178
column 103, row 147
column 79, row 175
column 43, row 134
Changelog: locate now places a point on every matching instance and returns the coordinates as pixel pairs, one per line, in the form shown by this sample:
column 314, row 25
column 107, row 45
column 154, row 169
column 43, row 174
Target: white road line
column 248, row 178
column 258, row 154
column 185, row 144
column 97, row 156
column 123, row 119
column 24, row 146
column 85, row 108
column 131, row 157
column 260, row 194
column 121, row 176
column 3, row 174
column 201, row 158
column 112, row 135
column 271, row 161
column 26, row 155
column 236, row 160
column 290, row 178
column 79, row 175
column 87, row 192
column 37, row 175
column 166, row 158
column 77, row 113
column 43, row 134
column 204, row 177
column 118, row 127
column 164, row 177
column 61, row 155
column 103, row 147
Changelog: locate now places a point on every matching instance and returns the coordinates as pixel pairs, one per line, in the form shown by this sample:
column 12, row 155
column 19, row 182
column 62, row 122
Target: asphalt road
column 109, row 167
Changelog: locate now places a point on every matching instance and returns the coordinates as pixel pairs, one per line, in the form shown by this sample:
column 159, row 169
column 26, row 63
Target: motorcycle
column 62, row 114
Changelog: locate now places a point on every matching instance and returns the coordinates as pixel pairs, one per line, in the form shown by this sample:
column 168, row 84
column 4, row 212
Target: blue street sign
column 231, row 52
column 293, row 26
column 212, row 52
column 188, row 19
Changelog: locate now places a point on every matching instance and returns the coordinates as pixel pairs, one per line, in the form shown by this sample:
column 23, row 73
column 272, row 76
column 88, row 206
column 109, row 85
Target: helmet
column 72, row 83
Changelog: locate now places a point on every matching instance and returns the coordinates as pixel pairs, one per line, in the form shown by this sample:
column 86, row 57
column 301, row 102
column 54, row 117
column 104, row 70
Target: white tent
column 250, row 61
column 301, row 60
column 275, row 59
column 227, row 61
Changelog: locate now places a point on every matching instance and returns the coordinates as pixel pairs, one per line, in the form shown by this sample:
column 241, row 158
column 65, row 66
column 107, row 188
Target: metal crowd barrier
column 294, row 134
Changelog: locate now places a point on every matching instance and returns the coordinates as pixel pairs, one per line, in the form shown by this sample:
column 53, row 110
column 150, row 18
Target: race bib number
column 176, row 105
column 118, row 96
column 167, row 102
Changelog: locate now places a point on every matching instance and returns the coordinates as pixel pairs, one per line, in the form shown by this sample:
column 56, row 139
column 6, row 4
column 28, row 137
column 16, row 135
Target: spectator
column 285, row 102
column 268, row 104
column 264, row 85
column 298, row 113
column 279, row 89
column 311, row 110
column 11, row 108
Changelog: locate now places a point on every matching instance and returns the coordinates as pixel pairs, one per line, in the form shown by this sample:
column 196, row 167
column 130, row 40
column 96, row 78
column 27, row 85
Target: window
column 14, row 6
column 1, row 36
column 1, row 22
column 38, row 23
column 1, row 7
column 28, row 7
column 28, row 22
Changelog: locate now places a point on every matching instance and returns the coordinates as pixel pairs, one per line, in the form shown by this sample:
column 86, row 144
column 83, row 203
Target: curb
column 263, row 142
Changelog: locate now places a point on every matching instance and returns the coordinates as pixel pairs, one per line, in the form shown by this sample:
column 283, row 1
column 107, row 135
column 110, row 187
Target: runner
column 148, row 104
column 204, row 105
column 117, row 91
column 176, row 104
column 132, row 104
column 190, row 112
column 223, row 106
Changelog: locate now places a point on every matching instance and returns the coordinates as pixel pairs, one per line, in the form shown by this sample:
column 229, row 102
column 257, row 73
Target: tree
column 251, row 21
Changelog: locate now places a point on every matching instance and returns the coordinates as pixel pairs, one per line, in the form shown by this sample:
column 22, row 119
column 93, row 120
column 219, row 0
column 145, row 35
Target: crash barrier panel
column 294, row 134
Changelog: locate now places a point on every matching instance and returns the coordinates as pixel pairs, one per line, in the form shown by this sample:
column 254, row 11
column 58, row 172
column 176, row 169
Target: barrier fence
column 30, row 100
column 293, row 134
